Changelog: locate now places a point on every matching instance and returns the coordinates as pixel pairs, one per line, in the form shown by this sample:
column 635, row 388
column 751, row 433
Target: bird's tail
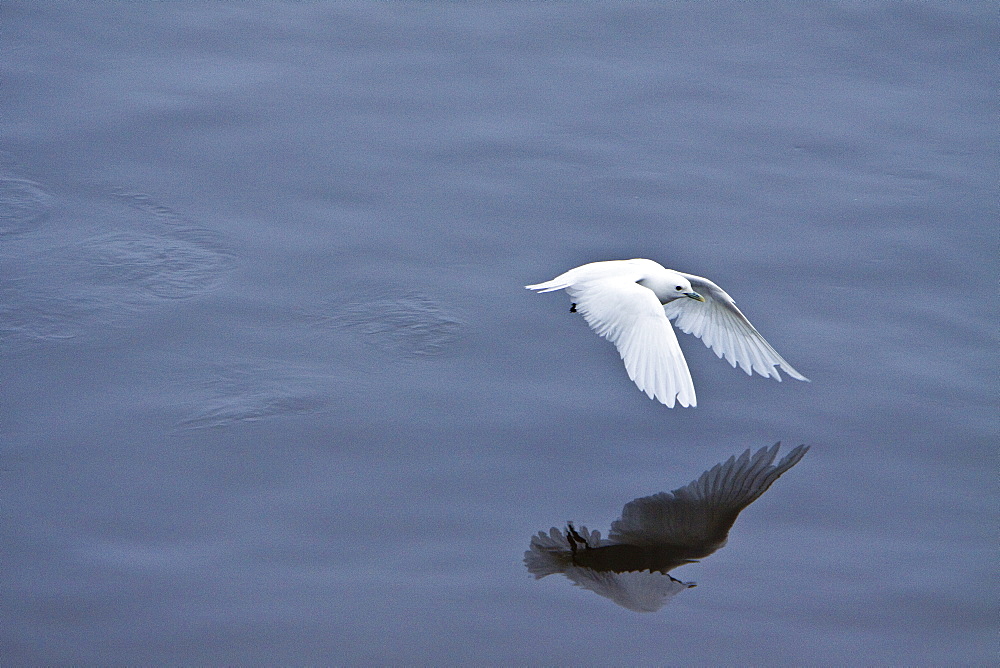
column 552, row 552
column 550, row 286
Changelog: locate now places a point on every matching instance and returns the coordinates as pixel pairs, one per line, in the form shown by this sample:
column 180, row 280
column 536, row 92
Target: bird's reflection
column 658, row 533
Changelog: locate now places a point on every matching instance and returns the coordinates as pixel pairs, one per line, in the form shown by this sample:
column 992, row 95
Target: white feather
column 723, row 328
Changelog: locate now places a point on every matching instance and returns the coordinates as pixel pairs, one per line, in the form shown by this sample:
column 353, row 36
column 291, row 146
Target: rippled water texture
column 273, row 391
column 22, row 205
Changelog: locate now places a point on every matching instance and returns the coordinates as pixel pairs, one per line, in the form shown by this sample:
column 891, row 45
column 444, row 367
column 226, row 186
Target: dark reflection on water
column 658, row 533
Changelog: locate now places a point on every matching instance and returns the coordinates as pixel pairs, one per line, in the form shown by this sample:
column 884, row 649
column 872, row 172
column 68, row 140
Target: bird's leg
column 571, row 531
column 573, row 538
column 572, row 308
column 680, row 582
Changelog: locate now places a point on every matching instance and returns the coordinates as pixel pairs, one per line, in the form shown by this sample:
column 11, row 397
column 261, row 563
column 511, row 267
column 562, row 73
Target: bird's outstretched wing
column 726, row 330
column 698, row 516
column 630, row 316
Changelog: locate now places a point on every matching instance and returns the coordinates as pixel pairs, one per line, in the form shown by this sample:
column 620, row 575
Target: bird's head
column 669, row 285
column 685, row 290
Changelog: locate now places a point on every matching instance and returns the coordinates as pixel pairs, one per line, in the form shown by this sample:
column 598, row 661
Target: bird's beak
column 695, row 296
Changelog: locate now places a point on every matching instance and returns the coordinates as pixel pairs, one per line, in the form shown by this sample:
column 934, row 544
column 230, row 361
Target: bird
column 631, row 303
column 656, row 534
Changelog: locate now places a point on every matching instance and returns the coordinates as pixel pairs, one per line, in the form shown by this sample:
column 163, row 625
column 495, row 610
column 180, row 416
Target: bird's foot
column 680, row 582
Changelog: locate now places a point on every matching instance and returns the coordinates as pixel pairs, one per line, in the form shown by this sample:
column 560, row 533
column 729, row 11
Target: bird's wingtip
column 796, row 375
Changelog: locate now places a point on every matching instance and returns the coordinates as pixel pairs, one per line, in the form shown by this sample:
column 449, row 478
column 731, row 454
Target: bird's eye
column 679, row 288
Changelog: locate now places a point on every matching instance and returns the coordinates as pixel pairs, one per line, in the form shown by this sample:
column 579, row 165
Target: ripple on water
column 241, row 393
column 410, row 326
column 249, row 408
column 23, row 204
column 68, row 289
column 164, row 266
column 44, row 317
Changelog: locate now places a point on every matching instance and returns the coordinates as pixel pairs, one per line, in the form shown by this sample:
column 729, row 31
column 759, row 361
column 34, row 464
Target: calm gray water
column 273, row 392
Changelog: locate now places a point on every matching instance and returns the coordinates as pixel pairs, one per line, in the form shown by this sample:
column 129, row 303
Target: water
column 273, row 391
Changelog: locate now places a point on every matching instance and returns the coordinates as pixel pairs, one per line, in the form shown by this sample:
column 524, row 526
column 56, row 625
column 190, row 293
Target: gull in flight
column 658, row 533
column 631, row 303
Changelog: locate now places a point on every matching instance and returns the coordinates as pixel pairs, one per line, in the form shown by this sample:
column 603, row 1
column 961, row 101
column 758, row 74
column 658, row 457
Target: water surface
column 273, row 391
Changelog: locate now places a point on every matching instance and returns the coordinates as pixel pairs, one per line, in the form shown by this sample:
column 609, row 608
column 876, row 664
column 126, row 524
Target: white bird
column 631, row 303
column 658, row 533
